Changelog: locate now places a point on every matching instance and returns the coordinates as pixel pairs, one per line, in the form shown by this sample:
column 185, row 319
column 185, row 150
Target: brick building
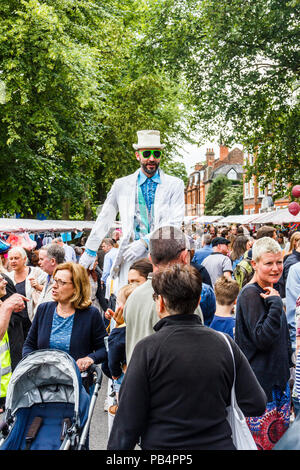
column 229, row 163
column 258, row 200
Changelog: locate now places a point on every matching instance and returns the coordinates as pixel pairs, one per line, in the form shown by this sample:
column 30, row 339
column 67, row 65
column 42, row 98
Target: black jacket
column 177, row 387
column 15, row 328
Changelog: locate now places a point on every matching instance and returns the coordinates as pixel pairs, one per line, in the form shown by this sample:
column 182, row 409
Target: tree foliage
column 72, row 99
column 240, row 61
column 224, row 197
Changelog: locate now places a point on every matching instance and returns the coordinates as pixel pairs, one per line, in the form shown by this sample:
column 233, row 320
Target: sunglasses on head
column 147, row 153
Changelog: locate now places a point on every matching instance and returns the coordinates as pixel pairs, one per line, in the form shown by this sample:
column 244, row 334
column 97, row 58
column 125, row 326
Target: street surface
column 99, row 423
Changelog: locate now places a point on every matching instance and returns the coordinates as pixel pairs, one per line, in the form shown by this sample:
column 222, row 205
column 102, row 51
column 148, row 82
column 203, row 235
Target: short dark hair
column 143, row 266
column 265, row 231
column 180, row 286
column 166, row 243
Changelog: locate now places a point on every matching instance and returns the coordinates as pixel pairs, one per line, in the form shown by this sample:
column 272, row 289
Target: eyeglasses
column 156, row 154
column 61, row 283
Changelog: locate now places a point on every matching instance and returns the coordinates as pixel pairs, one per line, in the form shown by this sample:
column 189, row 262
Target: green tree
column 224, row 197
column 74, row 90
column 48, row 122
column 240, row 61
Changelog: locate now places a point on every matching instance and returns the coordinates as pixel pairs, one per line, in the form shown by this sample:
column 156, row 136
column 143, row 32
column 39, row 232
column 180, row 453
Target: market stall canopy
column 279, row 217
column 34, row 225
column 238, row 219
column 203, row 219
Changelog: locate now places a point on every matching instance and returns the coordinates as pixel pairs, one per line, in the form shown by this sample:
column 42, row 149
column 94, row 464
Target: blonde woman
column 69, row 323
column 294, row 240
column 28, row 280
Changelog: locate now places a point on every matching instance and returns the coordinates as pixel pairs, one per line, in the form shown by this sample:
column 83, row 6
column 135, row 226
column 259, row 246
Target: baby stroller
column 47, row 407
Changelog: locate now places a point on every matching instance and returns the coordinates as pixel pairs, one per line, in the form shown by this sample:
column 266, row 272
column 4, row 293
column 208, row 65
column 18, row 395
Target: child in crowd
column 226, row 292
column 116, row 343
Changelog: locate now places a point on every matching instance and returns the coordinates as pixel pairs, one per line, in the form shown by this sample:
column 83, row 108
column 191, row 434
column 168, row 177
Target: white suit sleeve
column 104, row 220
column 177, row 205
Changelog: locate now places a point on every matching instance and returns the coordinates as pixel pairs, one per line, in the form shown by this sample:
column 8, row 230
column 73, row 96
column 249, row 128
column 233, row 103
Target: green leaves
column 224, row 197
column 75, row 88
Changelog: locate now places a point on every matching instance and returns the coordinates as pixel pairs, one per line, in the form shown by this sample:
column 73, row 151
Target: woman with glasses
column 69, row 323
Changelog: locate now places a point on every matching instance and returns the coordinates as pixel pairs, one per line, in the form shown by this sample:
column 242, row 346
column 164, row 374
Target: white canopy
column 34, row 225
column 203, row 219
column 281, row 216
column 238, row 219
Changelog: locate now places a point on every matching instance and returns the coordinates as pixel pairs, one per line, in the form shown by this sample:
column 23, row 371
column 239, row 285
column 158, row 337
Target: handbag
column 241, row 434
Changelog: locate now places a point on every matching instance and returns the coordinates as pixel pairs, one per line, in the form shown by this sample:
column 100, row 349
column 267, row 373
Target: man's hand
column 15, row 303
column 87, row 261
column 135, row 250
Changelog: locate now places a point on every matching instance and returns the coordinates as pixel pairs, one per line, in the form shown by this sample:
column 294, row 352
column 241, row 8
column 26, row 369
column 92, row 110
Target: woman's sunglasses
column 147, row 153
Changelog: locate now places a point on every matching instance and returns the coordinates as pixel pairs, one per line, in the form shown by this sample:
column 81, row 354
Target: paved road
column 99, row 423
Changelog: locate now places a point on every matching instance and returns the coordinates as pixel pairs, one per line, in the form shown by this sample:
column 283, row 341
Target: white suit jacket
column 168, row 209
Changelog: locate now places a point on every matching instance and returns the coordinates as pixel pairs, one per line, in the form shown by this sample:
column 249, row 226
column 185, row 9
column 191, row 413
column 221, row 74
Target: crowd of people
column 160, row 332
column 176, row 318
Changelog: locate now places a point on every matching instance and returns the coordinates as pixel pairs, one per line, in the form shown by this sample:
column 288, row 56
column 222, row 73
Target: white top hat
column 148, row 139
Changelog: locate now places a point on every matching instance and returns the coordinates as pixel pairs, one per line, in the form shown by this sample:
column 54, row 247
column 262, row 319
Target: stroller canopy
column 44, row 376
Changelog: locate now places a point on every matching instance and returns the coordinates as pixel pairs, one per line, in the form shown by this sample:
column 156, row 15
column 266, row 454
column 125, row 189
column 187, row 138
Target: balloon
column 296, row 191
column 294, row 208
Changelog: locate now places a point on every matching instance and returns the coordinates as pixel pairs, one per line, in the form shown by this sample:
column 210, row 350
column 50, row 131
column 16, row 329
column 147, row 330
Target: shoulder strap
column 230, row 348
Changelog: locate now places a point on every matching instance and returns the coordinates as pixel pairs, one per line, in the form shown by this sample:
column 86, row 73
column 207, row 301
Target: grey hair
column 55, row 251
column 166, row 243
column 264, row 245
column 19, row 250
column 206, row 239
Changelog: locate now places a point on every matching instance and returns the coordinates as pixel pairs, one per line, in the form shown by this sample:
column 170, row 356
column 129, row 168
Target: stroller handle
column 96, row 370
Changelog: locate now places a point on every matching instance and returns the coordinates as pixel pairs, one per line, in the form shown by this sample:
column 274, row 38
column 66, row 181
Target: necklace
column 62, row 313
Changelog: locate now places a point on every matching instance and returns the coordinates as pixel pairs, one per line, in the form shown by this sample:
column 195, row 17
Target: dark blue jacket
column 116, row 350
column 87, row 338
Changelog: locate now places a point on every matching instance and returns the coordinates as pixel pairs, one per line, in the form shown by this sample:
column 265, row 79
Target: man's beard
column 149, row 171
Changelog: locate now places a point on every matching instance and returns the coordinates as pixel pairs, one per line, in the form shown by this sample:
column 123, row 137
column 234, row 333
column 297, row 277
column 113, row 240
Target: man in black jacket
column 178, row 382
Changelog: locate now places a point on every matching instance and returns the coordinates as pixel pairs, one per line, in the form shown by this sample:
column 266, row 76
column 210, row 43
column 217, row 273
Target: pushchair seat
column 48, row 436
column 46, row 389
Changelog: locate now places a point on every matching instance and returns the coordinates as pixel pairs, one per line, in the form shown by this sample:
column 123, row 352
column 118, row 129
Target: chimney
column 210, row 157
column 223, row 152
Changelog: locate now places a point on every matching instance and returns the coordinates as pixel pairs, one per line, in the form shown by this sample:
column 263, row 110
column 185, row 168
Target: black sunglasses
column 156, row 153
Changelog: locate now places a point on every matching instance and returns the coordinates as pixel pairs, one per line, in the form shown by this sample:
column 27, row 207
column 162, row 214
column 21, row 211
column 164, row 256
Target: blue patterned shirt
column 61, row 332
column 148, row 187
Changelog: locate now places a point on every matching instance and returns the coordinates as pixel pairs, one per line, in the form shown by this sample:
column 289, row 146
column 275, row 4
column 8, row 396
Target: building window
column 246, row 186
column 251, row 184
column 232, row 175
column 261, row 192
